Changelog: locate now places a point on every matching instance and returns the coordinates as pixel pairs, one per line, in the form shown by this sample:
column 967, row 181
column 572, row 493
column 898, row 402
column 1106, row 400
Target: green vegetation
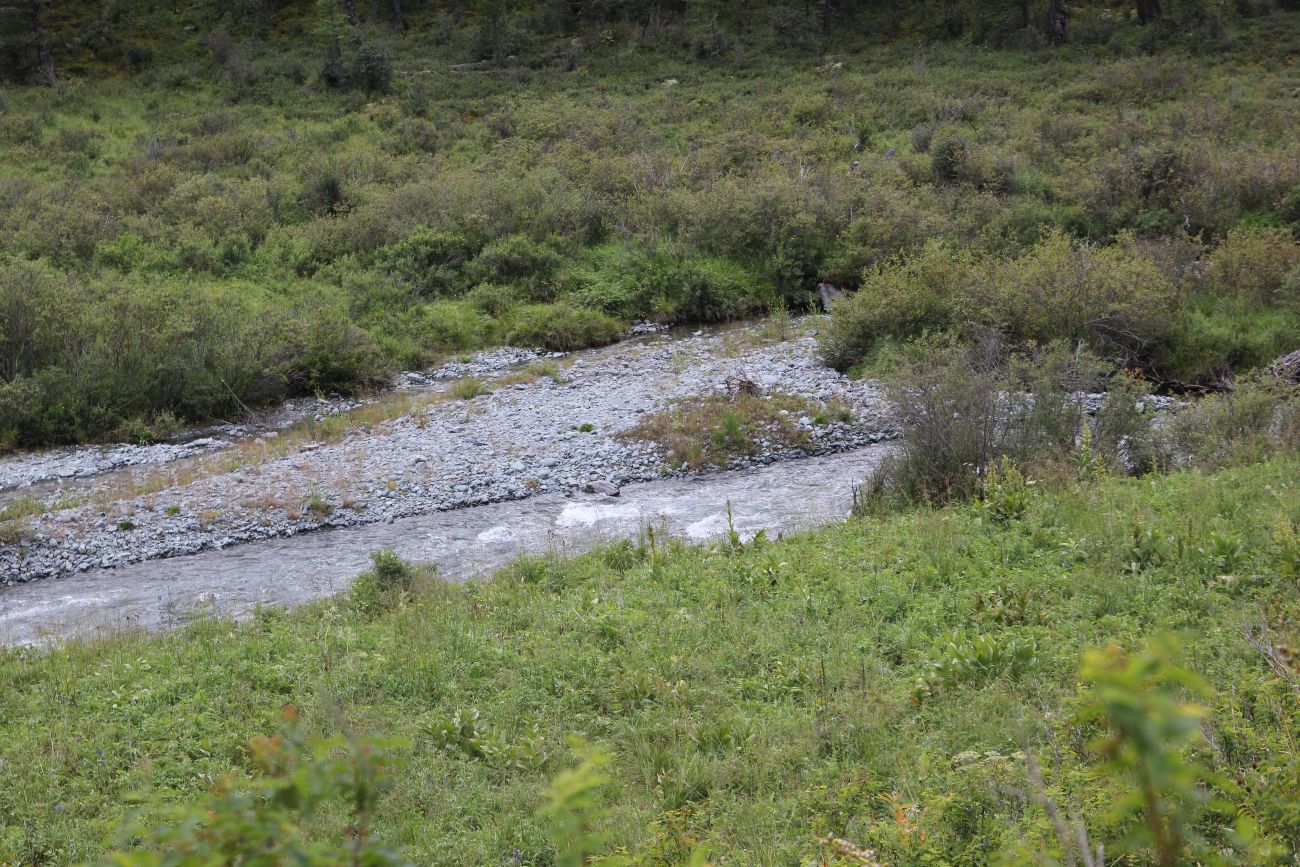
column 298, row 197
column 718, row 429
column 1181, row 315
column 1015, row 653
column 899, row 683
column 970, row 416
column 469, row 388
column 317, row 505
column 549, row 369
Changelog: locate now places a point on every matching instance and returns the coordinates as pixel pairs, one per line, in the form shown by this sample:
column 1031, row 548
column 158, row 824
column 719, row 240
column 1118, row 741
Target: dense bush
column 664, row 283
column 562, row 327
column 961, row 410
column 76, row 362
column 430, row 261
column 1255, row 417
column 1257, row 266
column 904, row 297
column 1121, row 299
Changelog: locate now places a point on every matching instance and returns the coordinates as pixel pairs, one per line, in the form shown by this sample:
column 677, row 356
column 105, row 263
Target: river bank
column 431, row 446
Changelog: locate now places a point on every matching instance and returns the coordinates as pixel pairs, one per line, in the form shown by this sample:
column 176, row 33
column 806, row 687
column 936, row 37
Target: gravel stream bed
column 230, row 486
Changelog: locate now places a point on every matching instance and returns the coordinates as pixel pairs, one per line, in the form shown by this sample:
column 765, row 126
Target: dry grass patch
column 27, row 506
column 716, row 430
column 15, row 532
column 249, row 453
column 547, row 368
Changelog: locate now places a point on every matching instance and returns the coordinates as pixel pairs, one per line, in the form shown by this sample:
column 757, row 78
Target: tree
column 1056, row 21
column 1148, row 11
column 493, row 21
column 24, row 46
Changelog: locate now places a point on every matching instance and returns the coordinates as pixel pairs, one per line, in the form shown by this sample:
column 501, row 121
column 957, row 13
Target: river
column 464, row 543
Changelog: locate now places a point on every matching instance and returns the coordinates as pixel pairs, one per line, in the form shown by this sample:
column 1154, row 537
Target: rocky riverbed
column 416, row 450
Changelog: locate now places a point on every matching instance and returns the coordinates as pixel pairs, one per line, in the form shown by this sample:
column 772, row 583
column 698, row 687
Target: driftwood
column 1287, row 367
column 242, row 405
column 738, row 385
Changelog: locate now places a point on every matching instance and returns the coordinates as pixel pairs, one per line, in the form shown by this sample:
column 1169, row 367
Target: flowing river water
column 464, row 543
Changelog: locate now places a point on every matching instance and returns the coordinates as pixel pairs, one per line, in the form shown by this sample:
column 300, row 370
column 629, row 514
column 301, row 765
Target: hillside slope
column 293, row 204
column 879, row 680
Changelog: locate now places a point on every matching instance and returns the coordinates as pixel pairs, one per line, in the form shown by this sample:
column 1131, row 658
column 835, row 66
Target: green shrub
column 968, row 416
column 156, row 428
column 1256, row 266
column 1212, row 337
column 1253, row 418
column 430, row 261
column 455, row 326
column 390, row 582
column 895, row 223
column 950, row 157
column 666, row 284
column 324, row 189
column 562, row 328
column 493, row 299
column 903, row 297
column 333, row 354
column 75, row 363
column 1115, row 298
column 318, row 506
column 517, row 260
column 372, row 65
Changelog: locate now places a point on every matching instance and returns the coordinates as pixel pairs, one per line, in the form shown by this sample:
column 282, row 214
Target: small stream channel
column 464, row 543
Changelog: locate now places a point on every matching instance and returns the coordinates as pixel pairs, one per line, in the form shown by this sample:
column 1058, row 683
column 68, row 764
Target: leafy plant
column 462, row 733
column 1225, row 552
column 318, row 506
column 965, row 660
column 1138, row 699
column 1145, row 549
column 269, row 819
column 728, row 433
column 390, row 582
column 1006, row 605
column 1006, row 493
column 1287, row 539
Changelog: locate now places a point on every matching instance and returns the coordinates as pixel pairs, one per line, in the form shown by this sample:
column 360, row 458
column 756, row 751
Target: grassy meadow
column 883, row 680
